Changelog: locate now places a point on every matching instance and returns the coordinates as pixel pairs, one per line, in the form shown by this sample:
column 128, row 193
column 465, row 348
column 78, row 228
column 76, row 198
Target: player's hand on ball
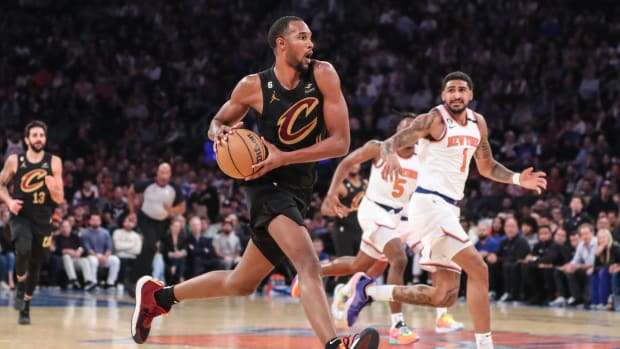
column 391, row 168
column 533, row 180
column 223, row 133
column 275, row 159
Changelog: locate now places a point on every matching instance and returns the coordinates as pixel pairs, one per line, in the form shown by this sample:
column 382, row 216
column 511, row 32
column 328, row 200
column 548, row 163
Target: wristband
column 516, row 179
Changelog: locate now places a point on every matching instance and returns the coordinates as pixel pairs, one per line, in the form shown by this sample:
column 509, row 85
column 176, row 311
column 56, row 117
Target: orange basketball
column 243, row 149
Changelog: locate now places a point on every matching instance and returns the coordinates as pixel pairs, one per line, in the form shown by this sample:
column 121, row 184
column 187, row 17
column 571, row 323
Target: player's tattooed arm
column 419, row 128
column 488, row 166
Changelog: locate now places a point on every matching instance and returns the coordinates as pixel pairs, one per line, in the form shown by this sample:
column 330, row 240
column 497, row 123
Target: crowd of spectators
column 124, row 85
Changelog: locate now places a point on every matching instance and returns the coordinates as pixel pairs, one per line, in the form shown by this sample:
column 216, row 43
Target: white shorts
column 378, row 227
column 436, row 224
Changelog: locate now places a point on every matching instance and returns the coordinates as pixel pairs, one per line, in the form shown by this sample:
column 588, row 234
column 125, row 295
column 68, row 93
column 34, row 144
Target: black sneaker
column 367, row 339
column 75, row 285
column 89, row 286
column 24, row 314
column 20, row 291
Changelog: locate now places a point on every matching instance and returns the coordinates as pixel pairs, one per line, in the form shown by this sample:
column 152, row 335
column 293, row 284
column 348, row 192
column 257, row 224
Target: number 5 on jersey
column 399, row 187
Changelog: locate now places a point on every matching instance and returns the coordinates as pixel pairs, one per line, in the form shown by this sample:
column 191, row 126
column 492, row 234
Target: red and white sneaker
column 146, row 308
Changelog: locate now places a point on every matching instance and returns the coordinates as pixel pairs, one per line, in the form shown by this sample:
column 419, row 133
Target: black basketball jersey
column 29, row 186
column 352, row 199
column 292, row 119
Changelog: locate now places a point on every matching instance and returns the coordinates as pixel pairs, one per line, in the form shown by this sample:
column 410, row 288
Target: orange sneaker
column 401, row 334
column 446, row 324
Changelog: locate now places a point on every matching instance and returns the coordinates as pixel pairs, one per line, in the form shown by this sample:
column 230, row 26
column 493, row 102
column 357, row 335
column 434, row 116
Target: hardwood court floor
column 74, row 319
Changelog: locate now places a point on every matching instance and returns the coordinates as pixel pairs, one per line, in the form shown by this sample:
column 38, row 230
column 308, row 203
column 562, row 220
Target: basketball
column 243, row 149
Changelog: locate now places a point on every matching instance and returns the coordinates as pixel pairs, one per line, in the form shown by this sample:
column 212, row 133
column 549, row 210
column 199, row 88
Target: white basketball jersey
column 395, row 193
column 444, row 164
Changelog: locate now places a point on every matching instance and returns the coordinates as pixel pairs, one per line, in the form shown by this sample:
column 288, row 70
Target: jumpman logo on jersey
column 273, row 97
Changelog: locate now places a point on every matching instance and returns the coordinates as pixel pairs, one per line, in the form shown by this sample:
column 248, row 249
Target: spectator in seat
column 69, row 247
column 99, row 247
column 487, row 245
column 537, row 268
column 600, row 277
column 127, row 245
column 505, row 264
column 576, row 215
column 576, row 269
column 174, row 250
column 227, row 245
column 201, row 253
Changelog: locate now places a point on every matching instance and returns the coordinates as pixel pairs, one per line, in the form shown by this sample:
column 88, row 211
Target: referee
column 160, row 201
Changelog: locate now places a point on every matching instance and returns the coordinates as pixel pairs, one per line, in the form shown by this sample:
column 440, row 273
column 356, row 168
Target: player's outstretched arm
column 331, row 204
column 423, row 125
column 492, row 169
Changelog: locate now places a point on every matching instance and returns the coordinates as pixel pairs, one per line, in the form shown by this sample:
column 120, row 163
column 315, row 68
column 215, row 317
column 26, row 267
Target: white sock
column 441, row 311
column 380, row 293
column 396, row 318
column 484, row 340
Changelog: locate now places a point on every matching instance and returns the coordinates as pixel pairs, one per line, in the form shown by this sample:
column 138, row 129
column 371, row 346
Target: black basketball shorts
column 31, row 235
column 267, row 201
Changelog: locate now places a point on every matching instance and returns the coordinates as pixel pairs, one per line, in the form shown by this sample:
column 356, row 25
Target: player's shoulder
column 322, row 68
column 12, row 158
column 478, row 116
column 479, row 119
column 11, row 161
column 55, row 158
column 249, row 81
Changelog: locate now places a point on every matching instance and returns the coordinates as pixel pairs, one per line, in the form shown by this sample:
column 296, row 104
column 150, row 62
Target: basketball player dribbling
column 303, row 119
column 450, row 134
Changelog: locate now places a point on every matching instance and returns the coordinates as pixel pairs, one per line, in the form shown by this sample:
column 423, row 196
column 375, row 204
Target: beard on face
column 456, row 111
column 37, row 148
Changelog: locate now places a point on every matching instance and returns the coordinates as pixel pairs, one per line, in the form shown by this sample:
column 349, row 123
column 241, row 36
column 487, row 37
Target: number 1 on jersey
column 464, row 164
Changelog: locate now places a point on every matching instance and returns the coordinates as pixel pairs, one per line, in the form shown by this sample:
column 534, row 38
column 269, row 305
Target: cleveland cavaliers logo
column 285, row 123
column 33, row 180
